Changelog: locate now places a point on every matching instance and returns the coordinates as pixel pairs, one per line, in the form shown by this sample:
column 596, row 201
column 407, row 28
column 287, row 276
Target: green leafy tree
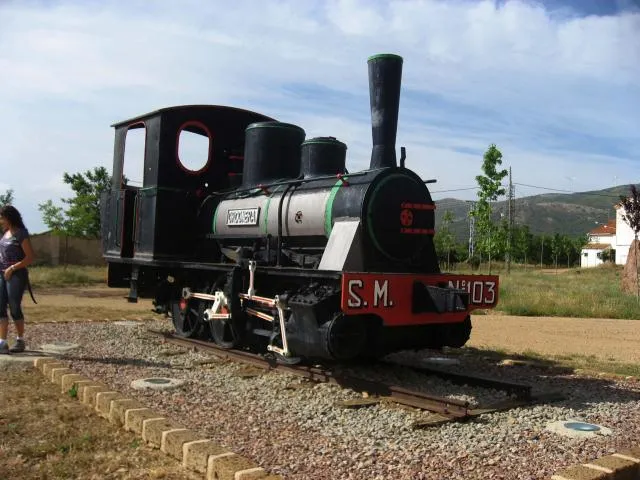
column 6, row 198
column 53, row 217
column 556, row 248
column 444, row 239
column 82, row 217
column 490, row 189
column 608, row 255
column 568, row 248
column 522, row 243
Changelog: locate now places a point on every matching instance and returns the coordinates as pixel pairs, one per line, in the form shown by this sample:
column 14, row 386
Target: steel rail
column 450, row 408
column 520, row 390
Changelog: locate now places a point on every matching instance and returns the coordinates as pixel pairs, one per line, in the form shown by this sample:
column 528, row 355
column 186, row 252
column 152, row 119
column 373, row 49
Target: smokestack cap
column 385, row 55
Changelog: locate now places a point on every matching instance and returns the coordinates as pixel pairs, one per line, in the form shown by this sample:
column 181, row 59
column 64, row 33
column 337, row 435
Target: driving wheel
column 186, row 317
column 224, row 332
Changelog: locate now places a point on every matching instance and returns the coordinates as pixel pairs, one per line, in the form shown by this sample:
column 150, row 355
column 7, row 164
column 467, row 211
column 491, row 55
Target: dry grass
column 91, row 303
column 43, row 276
column 48, row 435
column 586, row 293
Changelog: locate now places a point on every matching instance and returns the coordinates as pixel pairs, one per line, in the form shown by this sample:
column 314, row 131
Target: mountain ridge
column 570, row 214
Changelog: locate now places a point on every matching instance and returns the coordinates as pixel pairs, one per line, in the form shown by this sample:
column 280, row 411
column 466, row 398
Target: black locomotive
column 273, row 245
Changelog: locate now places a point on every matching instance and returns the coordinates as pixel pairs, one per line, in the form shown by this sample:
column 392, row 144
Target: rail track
column 445, row 409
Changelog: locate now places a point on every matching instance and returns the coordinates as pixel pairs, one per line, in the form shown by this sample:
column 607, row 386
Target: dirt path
column 606, row 339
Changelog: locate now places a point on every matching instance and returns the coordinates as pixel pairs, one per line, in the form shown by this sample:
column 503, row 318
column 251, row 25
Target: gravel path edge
column 197, row 454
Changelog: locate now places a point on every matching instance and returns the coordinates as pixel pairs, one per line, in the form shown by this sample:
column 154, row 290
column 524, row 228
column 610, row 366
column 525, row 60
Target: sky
column 555, row 84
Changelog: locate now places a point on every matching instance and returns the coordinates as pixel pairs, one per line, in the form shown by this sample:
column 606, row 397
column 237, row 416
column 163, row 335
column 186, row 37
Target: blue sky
column 555, row 84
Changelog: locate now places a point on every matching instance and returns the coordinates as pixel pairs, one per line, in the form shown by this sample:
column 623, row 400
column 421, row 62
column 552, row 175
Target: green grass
column 589, row 292
column 72, row 275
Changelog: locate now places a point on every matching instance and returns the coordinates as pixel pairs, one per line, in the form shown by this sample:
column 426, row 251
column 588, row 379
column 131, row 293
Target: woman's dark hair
column 12, row 214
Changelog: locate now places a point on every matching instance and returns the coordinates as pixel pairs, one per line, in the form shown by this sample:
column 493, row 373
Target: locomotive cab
column 157, row 217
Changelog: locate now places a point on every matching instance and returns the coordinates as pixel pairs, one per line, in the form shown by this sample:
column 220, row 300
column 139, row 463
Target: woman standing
column 15, row 255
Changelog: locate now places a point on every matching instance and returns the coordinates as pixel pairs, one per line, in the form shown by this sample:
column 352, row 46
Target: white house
column 624, row 236
column 616, row 234
column 600, row 239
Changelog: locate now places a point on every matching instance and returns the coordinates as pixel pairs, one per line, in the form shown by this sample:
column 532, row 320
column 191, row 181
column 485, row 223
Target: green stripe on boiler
column 328, row 213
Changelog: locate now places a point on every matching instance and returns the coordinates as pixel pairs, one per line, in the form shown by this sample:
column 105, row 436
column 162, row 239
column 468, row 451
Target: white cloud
column 557, row 91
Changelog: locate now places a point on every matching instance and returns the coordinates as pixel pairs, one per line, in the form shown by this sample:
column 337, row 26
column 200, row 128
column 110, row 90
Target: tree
column 6, row 198
column 631, row 216
column 82, row 217
column 556, row 248
column 490, row 189
column 567, row 248
column 445, row 240
column 522, row 242
column 53, row 217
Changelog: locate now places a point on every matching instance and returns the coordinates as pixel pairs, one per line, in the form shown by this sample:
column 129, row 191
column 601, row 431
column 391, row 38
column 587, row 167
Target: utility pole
column 472, row 229
column 511, row 215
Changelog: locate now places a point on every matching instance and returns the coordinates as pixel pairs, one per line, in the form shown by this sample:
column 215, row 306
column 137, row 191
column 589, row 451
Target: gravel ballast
column 294, row 428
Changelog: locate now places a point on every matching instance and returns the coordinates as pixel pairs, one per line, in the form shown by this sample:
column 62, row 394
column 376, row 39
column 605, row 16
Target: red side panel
column 389, row 295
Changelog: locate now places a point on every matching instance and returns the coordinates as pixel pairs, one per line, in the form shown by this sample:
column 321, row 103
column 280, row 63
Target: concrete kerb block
column 580, row 472
column 173, row 442
column 226, row 465
column 57, row 373
column 620, row 468
column 68, row 381
column 153, row 428
column 250, row 474
column 90, row 391
column 633, row 452
column 119, row 408
column 47, row 367
column 200, row 455
column 38, row 363
column 624, row 465
column 103, row 402
column 195, row 454
column 134, row 419
column 167, row 435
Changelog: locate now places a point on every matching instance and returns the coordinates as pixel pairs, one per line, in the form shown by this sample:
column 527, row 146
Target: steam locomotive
column 275, row 246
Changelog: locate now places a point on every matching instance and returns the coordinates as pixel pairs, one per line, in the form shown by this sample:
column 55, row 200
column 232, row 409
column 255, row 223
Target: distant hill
column 566, row 213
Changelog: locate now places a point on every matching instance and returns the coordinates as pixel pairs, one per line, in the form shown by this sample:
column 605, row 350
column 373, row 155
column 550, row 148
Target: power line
column 568, row 191
column 454, row 190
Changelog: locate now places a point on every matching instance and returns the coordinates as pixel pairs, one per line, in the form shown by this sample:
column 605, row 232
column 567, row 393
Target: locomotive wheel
column 186, row 317
column 224, row 333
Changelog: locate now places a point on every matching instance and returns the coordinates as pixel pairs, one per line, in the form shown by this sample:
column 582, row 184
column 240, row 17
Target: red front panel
column 389, row 295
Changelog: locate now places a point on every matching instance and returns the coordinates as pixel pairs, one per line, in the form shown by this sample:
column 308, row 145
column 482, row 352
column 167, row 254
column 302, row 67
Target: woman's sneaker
column 4, row 348
column 18, row 347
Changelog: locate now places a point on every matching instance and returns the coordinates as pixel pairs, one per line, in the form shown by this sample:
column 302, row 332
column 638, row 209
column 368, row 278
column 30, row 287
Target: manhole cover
column 158, row 381
column 577, row 429
column 582, row 427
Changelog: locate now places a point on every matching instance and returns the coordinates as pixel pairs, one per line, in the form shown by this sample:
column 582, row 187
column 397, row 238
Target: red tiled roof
column 608, row 229
column 596, row 246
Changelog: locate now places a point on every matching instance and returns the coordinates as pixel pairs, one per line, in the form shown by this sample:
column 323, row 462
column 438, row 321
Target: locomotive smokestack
column 385, row 74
